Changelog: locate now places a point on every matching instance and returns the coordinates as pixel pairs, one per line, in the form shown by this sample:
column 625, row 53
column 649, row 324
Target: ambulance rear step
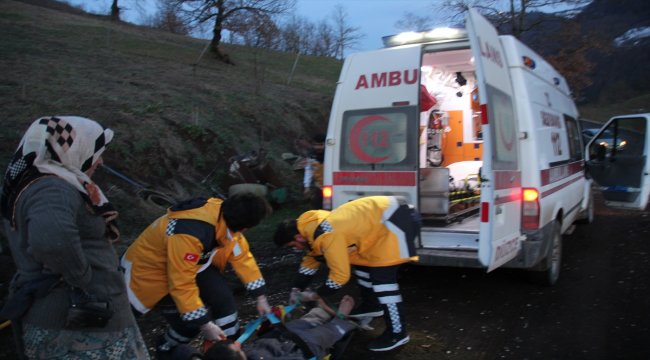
column 454, row 258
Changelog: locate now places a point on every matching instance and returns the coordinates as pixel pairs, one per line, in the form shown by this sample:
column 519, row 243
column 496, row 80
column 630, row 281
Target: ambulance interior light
column 438, row 34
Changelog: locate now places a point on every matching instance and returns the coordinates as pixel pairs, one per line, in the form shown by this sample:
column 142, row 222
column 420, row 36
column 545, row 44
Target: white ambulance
column 477, row 131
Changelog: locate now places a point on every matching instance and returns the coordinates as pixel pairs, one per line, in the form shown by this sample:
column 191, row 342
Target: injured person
column 311, row 336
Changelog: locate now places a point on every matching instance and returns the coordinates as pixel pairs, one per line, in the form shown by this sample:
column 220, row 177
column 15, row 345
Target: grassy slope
column 174, row 122
column 602, row 113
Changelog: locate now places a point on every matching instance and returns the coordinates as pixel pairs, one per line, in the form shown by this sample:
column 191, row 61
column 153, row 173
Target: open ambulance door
column 373, row 133
column 500, row 237
column 618, row 160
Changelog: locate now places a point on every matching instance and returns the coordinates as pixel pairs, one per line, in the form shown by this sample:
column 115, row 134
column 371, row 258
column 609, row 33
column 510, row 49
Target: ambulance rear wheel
column 549, row 268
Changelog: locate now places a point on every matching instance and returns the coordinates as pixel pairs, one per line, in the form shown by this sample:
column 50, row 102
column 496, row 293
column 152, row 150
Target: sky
column 374, row 18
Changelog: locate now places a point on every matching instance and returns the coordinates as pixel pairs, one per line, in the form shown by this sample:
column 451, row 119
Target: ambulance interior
column 451, row 142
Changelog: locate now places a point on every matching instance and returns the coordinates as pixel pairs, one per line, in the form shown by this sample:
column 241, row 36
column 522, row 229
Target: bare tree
column 293, row 32
column 167, row 18
column 565, row 46
column 115, row 11
column 258, row 30
column 513, row 12
column 324, row 44
column 345, row 35
column 301, row 36
column 414, row 22
column 224, row 14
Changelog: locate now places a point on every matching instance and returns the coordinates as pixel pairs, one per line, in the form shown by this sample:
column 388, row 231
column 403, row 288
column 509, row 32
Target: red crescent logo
column 355, row 135
column 190, row 257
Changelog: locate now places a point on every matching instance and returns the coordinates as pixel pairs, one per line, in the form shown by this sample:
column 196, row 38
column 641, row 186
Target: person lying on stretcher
column 309, row 337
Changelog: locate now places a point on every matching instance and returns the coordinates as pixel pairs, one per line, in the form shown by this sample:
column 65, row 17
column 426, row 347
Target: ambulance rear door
column 500, row 236
column 618, row 161
column 373, row 129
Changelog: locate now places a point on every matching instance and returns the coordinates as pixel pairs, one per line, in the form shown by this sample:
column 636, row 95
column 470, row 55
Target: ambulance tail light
column 327, row 197
column 530, row 209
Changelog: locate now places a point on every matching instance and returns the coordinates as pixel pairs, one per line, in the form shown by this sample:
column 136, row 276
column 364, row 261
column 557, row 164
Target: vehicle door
column 500, row 236
column 375, row 124
column 617, row 159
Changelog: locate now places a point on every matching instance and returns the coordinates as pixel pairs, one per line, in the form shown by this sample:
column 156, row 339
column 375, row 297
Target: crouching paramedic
column 374, row 235
column 177, row 263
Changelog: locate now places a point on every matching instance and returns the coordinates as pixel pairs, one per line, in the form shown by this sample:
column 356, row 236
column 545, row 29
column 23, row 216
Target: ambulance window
column 504, row 129
column 623, row 137
column 573, row 135
column 380, row 139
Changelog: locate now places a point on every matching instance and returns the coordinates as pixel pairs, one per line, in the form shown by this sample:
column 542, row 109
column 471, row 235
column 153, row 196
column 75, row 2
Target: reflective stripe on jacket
column 166, row 257
column 358, row 233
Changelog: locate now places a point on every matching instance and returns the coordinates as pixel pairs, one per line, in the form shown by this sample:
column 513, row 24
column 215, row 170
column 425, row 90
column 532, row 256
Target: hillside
column 622, row 73
column 176, row 124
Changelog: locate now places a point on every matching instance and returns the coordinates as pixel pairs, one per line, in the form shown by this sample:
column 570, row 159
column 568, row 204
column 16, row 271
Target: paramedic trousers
column 378, row 285
column 216, row 296
column 379, row 289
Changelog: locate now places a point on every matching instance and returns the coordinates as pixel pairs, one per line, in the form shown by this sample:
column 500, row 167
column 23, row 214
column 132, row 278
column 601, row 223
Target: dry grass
column 175, row 121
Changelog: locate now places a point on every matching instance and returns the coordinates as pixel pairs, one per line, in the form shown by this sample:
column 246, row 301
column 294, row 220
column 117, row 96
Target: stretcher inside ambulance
column 450, row 136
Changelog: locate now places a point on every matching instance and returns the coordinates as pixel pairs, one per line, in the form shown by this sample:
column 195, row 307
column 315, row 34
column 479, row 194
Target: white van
column 476, row 130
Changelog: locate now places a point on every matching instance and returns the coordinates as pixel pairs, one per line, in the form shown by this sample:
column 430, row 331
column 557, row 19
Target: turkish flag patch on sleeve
column 191, row 257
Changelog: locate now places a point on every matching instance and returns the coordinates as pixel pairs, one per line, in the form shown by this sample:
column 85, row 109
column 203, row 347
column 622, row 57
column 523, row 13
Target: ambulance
column 479, row 133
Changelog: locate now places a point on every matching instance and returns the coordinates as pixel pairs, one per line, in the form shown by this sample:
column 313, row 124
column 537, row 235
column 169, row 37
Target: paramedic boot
column 395, row 334
column 389, row 341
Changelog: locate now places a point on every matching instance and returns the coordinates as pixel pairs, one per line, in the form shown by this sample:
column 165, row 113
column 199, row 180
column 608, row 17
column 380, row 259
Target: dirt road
column 599, row 309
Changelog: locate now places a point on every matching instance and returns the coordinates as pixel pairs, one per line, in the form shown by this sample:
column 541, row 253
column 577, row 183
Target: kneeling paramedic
column 374, row 235
column 177, row 263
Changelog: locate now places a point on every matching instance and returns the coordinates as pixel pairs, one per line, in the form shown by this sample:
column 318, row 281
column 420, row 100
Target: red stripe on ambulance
column 378, row 178
column 557, row 173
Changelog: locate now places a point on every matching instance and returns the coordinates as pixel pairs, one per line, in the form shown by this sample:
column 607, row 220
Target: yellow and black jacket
column 360, row 232
column 166, row 257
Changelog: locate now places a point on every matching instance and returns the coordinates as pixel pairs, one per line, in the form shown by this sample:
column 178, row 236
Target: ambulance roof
column 435, row 35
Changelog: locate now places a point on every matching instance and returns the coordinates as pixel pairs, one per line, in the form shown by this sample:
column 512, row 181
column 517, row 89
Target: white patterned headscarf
column 64, row 146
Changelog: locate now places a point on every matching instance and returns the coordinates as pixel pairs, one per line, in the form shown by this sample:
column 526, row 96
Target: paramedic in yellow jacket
column 178, row 260
column 371, row 237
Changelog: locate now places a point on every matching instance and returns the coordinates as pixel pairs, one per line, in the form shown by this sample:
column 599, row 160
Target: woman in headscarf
column 68, row 298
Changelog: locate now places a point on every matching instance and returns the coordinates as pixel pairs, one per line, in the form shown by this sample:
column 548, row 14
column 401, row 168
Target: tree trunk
column 216, row 35
column 115, row 11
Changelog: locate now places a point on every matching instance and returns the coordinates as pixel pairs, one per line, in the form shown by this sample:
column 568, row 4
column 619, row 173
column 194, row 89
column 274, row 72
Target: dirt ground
column 599, row 309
